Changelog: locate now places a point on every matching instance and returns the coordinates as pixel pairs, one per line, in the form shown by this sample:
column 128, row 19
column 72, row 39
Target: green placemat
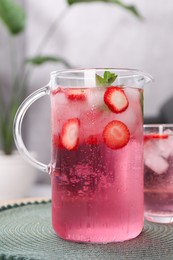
column 26, row 233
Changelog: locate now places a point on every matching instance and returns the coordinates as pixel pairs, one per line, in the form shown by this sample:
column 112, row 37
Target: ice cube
column 64, row 109
column 169, row 132
column 153, row 158
column 156, row 163
column 93, row 122
column 60, row 99
column 96, row 97
column 128, row 117
column 150, row 147
column 164, row 147
column 133, row 94
column 132, row 116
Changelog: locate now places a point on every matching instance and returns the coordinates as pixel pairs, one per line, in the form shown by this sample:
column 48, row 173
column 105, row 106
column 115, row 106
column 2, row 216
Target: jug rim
column 123, row 73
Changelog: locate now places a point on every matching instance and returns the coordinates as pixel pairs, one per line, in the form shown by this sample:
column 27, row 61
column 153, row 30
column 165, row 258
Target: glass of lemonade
column 96, row 164
column 158, row 169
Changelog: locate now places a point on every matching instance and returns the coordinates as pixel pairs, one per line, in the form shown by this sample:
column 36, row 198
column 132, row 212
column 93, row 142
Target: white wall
column 104, row 35
column 100, row 35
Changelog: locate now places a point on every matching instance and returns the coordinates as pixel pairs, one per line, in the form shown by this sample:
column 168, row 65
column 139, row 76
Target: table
column 22, row 200
column 26, row 234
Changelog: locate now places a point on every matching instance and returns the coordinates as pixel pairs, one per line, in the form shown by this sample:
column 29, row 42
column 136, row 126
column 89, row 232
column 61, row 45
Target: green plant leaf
column 39, row 60
column 131, row 8
column 6, row 126
column 12, row 15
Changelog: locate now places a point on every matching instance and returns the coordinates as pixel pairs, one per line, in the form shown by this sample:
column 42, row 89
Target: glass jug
column 96, row 166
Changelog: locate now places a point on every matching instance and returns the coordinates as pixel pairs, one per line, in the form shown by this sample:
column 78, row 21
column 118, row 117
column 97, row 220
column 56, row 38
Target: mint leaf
column 100, row 81
column 107, row 79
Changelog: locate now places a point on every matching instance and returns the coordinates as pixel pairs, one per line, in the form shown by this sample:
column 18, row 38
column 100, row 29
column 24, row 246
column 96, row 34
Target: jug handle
column 17, row 126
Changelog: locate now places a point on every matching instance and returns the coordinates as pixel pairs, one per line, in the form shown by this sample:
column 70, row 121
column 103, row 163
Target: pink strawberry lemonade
column 97, row 167
column 158, row 181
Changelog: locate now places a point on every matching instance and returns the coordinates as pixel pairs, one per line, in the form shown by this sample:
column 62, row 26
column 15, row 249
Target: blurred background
column 93, row 34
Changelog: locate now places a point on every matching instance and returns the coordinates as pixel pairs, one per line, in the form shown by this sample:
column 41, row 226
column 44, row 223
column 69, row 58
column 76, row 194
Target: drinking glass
column 158, row 169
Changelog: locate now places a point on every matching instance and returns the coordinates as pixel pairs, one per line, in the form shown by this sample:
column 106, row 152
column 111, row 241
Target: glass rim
column 157, row 125
column 131, row 73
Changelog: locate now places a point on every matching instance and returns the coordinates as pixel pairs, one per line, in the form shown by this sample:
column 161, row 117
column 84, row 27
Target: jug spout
column 147, row 77
column 133, row 78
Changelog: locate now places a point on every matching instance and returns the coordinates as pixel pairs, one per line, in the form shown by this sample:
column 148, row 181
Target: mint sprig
column 107, row 79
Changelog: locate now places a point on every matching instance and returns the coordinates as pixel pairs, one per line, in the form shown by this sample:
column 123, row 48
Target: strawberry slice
column 76, row 94
column 56, row 140
column 116, row 99
column 92, row 139
column 70, row 134
column 155, row 136
column 116, row 134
